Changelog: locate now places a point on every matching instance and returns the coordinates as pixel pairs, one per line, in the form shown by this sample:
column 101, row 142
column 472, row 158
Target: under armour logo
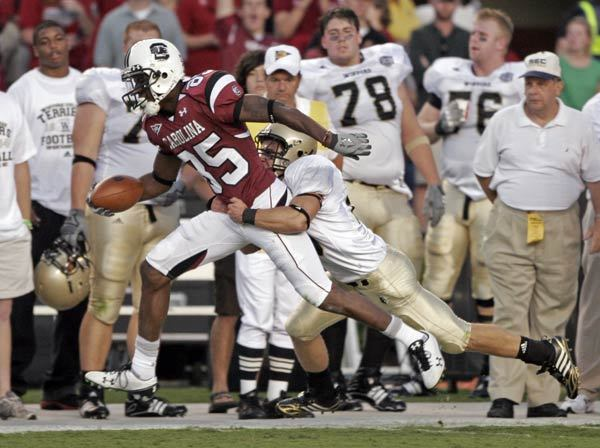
column 156, row 127
column 183, row 111
column 438, row 361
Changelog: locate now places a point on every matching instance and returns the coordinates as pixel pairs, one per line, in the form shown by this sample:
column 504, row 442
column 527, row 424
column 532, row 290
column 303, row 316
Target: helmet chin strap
column 151, row 108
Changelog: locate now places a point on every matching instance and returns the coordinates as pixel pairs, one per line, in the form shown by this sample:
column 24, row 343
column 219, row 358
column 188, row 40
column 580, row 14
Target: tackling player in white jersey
column 361, row 260
column 463, row 95
column 109, row 140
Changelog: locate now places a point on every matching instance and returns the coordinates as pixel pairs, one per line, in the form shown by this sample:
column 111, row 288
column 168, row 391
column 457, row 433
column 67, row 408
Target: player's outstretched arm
column 258, row 109
column 294, row 218
column 164, row 174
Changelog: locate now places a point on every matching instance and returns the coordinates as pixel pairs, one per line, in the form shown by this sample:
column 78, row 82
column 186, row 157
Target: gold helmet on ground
column 62, row 276
column 292, row 145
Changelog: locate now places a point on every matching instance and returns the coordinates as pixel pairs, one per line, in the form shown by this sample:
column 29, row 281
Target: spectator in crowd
column 590, row 11
column 108, row 51
column 46, row 94
column 198, row 21
column 463, row 95
column 242, row 31
column 297, row 21
column 580, row 72
column 369, row 36
column 105, row 6
column 14, row 56
column 76, row 18
column 439, row 39
column 16, row 276
column 250, row 72
column 587, row 344
column 532, row 162
column 107, row 141
column 402, row 18
column 464, row 17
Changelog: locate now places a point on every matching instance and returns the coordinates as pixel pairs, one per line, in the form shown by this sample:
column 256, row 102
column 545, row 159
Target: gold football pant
column 119, row 245
column 389, row 214
column 460, row 231
column 394, row 287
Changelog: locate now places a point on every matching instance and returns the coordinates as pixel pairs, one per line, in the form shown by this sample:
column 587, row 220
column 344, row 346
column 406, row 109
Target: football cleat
column 426, row 352
column 578, row 405
column 562, row 366
column 93, row 407
column 366, row 386
column 249, row 407
column 122, row 379
column 11, row 405
column 481, row 390
column 270, row 408
column 146, row 404
column 307, row 401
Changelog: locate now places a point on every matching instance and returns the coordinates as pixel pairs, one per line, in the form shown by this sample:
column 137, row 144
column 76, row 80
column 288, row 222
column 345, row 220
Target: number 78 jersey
column 453, row 78
column 364, row 98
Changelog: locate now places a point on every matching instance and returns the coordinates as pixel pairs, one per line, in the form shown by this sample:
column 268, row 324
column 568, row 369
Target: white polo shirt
column 534, row 167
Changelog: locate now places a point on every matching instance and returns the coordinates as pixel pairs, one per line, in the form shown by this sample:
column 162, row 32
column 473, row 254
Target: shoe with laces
column 578, row 405
column 92, row 405
column 562, row 366
column 250, row 407
column 122, row 379
column 307, row 401
column 270, row 408
column 146, row 404
column 366, row 386
column 347, row 403
column 426, row 352
column 12, row 406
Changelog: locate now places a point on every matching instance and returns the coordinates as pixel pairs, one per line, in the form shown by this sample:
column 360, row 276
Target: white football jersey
column 49, row 108
column 348, row 249
column 125, row 148
column 16, row 146
column 453, row 78
column 364, row 98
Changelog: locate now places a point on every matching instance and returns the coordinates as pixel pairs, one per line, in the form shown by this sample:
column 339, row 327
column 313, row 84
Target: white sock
column 247, row 386
column 275, row 388
column 143, row 364
column 402, row 331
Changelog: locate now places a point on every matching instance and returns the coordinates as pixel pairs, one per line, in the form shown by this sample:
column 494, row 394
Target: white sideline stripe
column 191, row 310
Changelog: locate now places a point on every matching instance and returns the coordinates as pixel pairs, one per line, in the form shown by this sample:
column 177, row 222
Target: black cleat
column 249, row 407
column 366, row 386
column 270, row 408
column 92, row 405
column 307, row 401
column 502, row 408
column 562, row 366
column 148, row 405
column 481, row 390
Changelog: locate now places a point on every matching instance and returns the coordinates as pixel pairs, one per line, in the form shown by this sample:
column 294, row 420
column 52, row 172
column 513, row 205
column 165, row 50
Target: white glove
column 74, row 229
column 351, row 145
column 169, row 197
column 435, row 204
column 452, row 117
column 97, row 210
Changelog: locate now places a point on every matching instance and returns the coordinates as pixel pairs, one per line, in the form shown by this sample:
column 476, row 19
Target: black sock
column 536, row 352
column 86, row 389
column 321, row 384
column 334, row 338
column 376, row 346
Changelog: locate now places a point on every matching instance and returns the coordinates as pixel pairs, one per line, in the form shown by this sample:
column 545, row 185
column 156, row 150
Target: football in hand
column 117, row 193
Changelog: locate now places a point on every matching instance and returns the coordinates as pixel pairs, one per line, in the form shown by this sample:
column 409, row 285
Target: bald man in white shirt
column 533, row 161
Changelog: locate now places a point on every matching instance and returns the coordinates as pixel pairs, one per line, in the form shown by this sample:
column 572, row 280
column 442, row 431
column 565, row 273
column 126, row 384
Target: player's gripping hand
column 74, row 229
column 235, row 210
column 452, row 117
column 97, row 210
column 435, row 204
column 351, row 145
column 170, row 197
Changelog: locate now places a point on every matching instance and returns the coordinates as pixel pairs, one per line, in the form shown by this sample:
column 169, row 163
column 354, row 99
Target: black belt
column 468, row 201
column 150, row 210
column 363, row 282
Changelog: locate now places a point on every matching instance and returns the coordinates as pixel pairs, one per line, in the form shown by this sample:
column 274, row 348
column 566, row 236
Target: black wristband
column 334, row 140
column 209, row 203
column 304, row 212
column 162, row 181
column 270, row 105
column 249, row 216
column 79, row 158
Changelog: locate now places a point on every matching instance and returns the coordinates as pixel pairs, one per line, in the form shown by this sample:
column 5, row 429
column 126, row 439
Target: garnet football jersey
column 204, row 132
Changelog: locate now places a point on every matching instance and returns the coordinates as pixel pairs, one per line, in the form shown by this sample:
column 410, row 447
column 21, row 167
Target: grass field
column 412, row 437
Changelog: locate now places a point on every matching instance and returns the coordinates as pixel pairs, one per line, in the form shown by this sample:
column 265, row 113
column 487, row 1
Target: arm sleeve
column 486, row 155
column 400, row 55
column 222, row 95
column 431, row 80
column 90, row 88
column 313, row 175
column 590, row 161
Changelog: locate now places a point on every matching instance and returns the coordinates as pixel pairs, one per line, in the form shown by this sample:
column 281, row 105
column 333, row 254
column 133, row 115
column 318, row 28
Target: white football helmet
column 289, row 145
column 62, row 276
column 153, row 67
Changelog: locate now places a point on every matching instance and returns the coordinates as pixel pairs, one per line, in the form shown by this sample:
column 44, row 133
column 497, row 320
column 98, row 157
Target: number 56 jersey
column 453, row 78
column 364, row 98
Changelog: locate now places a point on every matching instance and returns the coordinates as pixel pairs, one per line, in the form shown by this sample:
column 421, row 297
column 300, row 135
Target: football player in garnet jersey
column 200, row 121
column 361, row 260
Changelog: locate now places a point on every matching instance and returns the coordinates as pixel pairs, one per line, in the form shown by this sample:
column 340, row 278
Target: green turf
column 413, row 437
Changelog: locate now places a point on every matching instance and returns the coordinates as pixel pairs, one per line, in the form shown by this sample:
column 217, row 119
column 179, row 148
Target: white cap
column 282, row 57
column 543, row 64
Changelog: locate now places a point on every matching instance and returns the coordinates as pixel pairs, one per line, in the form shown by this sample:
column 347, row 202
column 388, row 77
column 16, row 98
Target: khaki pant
column 389, row 214
column 535, row 290
column 460, row 231
column 587, row 347
column 394, row 287
column 119, row 244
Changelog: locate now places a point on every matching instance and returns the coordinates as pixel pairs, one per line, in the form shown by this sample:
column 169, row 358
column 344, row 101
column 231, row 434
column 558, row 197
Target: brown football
column 117, row 193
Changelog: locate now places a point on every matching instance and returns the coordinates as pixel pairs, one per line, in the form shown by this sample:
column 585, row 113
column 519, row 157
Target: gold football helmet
column 290, row 145
column 62, row 276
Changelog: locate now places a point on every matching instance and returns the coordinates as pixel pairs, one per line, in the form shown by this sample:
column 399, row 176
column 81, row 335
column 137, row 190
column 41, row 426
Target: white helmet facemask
column 153, row 68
